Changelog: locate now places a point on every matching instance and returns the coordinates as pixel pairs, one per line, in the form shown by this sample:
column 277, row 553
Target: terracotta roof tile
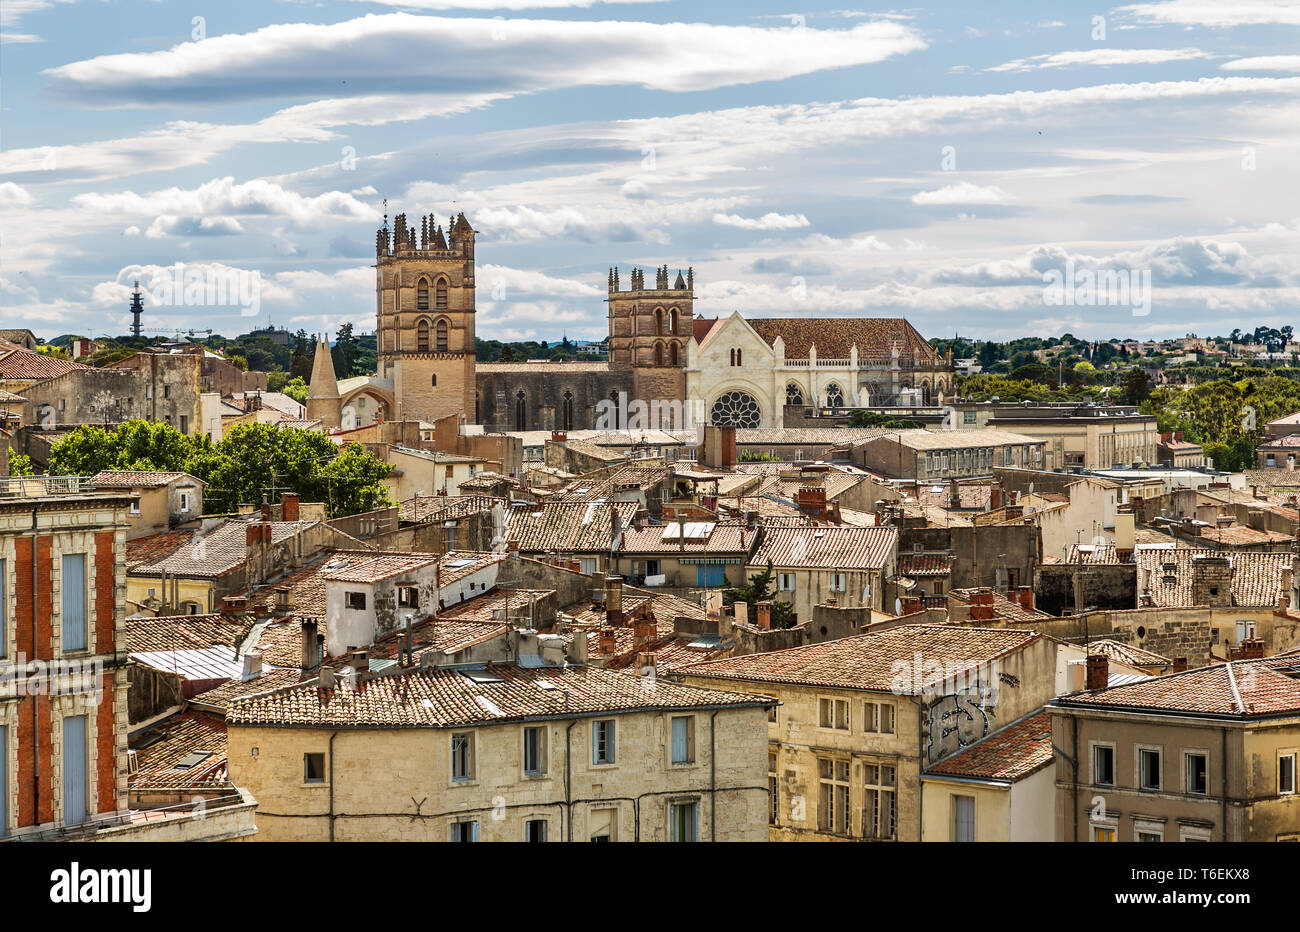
column 831, row 547
column 166, row 752
column 1239, row 688
column 1013, row 752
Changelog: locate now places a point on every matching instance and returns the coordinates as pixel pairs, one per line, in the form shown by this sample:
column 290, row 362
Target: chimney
column 233, row 605
column 361, row 661
column 613, row 600
column 283, row 599
column 559, row 436
column 266, row 511
column 739, row 612
column 644, row 631
column 995, row 497
column 763, row 611
column 607, row 641
column 1180, row 664
column 311, row 648
column 1025, row 596
column 289, row 506
column 681, row 531
column 1098, row 671
column 252, row 666
column 647, row 662
column 578, row 648
column 954, row 494
column 326, row 678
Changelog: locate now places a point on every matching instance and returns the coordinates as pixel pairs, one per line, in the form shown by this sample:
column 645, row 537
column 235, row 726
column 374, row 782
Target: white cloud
column 167, row 225
column 463, row 55
column 769, row 221
column 962, row 193
column 1264, row 63
column 12, row 195
column 1102, row 56
column 1216, row 12
column 223, row 198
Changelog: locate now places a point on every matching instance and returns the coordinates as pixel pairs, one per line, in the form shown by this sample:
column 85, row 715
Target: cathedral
column 662, row 358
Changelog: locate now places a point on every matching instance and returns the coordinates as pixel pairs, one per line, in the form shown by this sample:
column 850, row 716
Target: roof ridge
column 1236, row 692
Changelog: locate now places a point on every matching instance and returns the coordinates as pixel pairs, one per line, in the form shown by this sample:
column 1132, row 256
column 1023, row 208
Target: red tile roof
column 830, row 547
column 186, row 632
column 1239, row 689
column 154, row 546
column 138, row 479
column 25, row 364
column 871, row 661
column 442, row 698
column 1022, row 748
column 835, row 336
column 1256, row 577
column 924, row 564
column 178, row 738
column 570, row 527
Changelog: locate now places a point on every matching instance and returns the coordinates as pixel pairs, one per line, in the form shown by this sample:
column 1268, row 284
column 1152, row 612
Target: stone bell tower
column 649, row 328
column 424, row 288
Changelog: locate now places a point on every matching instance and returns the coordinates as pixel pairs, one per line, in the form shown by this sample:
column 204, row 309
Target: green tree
column 760, row 588
column 344, row 352
column 20, row 464
column 1136, row 385
column 507, row 354
column 296, row 389
column 301, row 359
column 354, row 482
column 136, row 444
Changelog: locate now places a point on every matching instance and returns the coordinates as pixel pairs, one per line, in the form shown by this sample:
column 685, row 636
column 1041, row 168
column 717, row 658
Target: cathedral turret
column 323, row 399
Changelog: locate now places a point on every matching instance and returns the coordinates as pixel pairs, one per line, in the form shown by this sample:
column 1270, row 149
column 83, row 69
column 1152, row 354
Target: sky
column 944, row 164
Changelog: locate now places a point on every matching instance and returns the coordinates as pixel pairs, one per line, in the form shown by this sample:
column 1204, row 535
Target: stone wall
column 544, row 386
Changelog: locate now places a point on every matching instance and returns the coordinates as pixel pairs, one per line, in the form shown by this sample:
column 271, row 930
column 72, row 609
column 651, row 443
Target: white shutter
column 74, row 770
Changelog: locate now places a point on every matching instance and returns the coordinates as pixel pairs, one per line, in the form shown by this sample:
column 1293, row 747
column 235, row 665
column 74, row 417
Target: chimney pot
column 1098, row 671
column 1180, row 664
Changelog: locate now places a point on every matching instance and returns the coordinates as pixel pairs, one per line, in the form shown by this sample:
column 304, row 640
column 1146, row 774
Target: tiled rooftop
column 1256, row 577
column 187, row 749
column 1008, row 754
column 441, row 698
column 830, row 547
column 871, row 661
column 136, row 479
column 1239, row 689
column 571, row 527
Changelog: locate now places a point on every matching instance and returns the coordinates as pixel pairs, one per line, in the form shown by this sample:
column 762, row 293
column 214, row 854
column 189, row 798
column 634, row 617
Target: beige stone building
column 816, row 564
column 163, row 499
column 1203, row 755
column 503, row 752
column 861, row 717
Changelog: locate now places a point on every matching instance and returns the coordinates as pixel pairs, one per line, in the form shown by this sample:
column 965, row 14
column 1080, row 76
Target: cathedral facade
column 667, row 368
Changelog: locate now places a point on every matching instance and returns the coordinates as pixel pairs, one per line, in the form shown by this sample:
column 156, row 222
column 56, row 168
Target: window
column 683, row 821
column 793, row 394
column 878, row 717
column 464, row 831
column 879, row 803
column 422, row 336
column 1102, row 833
column 1149, row 836
column 422, row 295
column 4, row 633
column 4, row 779
column 968, row 417
column 462, row 756
column 1286, row 773
column 839, row 582
column 73, row 582
column 683, row 738
column 963, row 818
column 1103, row 765
column 602, row 741
column 1148, row 769
column 834, row 396
column 521, row 411
column 1195, row 774
column 440, row 293
column 535, row 830
column 135, row 506
column 185, row 501
column 356, row 600
column 75, row 775
column 773, row 788
column 440, row 336
column 602, row 825
column 535, row 751
column 771, row 715
column 313, row 768
column 833, row 801
column 408, row 597
column 785, row 582
column 834, row 713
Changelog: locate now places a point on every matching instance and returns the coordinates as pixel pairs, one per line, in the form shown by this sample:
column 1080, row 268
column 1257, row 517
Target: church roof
column 835, row 336
column 323, row 384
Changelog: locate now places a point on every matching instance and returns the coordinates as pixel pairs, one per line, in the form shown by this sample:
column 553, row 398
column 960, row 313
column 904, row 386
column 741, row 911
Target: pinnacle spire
column 323, row 400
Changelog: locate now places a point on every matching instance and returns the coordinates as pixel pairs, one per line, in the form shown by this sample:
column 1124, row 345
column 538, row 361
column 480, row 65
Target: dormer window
column 356, row 601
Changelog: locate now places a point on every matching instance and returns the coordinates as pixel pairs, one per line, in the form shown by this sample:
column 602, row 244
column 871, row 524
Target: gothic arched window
column 422, row 295
column 659, row 321
column 659, row 353
column 834, row 397
column 673, row 353
column 566, row 417
column 793, row 394
column 442, row 336
column 422, row 336
column 672, row 321
column 521, row 411
column 440, row 295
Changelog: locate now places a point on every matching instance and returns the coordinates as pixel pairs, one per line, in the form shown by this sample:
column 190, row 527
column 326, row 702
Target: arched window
column 478, row 416
column 435, row 380
column 422, row 295
column 672, row 321
column 736, row 409
column 440, row 295
column 834, row 397
column 566, row 416
column 925, row 393
column 793, row 394
column 619, row 415
column 422, row 336
column 442, row 336
column 739, row 360
column 735, row 357
column 673, row 353
column 521, row 411
column 659, row 321
column 659, row 352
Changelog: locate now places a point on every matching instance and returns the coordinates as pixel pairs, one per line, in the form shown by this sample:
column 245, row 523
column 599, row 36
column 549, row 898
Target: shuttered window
column 73, row 583
column 963, row 818
column 4, row 780
column 75, row 778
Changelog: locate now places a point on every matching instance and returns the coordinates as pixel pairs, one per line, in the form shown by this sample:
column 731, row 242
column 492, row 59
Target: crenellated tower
column 424, row 286
column 649, row 328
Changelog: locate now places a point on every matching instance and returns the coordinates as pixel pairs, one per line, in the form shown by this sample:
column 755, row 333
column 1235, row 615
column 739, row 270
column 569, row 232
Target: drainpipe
column 713, row 777
column 1075, row 779
column 1223, row 779
column 920, row 763
column 333, row 735
column 568, row 782
column 36, row 729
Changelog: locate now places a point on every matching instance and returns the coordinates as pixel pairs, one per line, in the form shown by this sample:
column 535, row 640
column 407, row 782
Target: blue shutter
column 73, row 583
column 679, row 740
column 4, row 780
column 710, row 574
column 74, row 770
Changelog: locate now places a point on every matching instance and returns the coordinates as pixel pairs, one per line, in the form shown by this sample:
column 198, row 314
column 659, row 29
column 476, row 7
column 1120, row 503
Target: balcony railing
column 28, row 486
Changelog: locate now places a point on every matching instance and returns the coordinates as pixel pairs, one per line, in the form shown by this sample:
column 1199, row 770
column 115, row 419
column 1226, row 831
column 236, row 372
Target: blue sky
column 841, row 161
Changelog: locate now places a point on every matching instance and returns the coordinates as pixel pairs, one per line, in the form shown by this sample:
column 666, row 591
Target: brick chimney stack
column 763, row 615
column 1098, row 674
